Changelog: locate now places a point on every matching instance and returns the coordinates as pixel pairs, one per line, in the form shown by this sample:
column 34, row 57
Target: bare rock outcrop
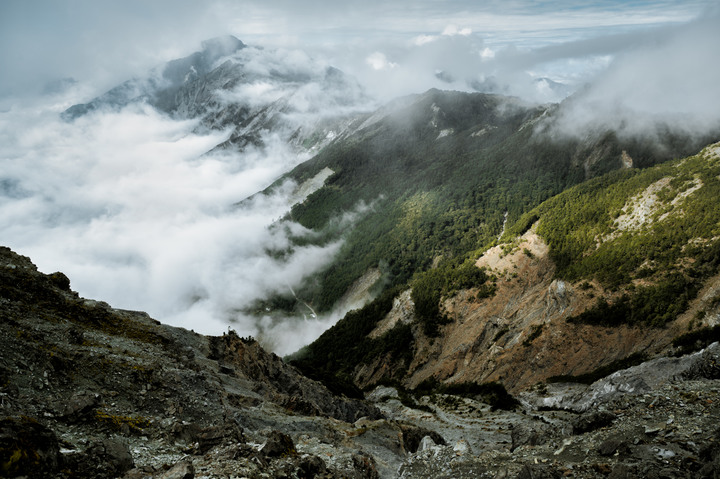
column 519, row 336
column 110, row 393
column 282, row 383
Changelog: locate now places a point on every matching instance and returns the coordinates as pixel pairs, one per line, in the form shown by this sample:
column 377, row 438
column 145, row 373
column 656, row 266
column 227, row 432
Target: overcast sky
column 126, row 204
column 100, row 42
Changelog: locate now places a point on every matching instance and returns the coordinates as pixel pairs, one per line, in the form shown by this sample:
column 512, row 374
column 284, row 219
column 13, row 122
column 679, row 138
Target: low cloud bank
column 126, row 204
column 458, row 60
column 668, row 79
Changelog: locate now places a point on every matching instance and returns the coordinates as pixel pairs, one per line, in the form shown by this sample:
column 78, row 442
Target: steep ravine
column 520, row 336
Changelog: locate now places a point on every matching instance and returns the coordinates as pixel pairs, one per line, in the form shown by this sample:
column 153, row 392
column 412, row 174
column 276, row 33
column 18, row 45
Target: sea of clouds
column 128, row 204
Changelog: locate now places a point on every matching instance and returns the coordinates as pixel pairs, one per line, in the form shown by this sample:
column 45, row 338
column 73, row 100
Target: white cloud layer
column 452, row 30
column 669, row 77
column 126, row 205
column 101, row 43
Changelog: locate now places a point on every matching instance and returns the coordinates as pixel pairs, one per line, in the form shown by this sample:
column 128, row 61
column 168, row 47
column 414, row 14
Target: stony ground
column 88, row 391
column 672, row 431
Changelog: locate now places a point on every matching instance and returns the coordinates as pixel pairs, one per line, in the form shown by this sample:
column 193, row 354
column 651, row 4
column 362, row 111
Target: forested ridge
column 437, row 177
column 644, row 239
column 438, row 201
column 652, row 235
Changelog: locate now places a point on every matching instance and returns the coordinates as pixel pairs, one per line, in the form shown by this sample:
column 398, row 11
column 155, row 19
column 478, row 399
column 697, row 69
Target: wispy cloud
column 103, row 43
column 667, row 78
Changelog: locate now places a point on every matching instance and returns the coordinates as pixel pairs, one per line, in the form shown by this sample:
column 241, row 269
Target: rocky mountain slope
column 606, row 274
column 432, row 177
column 90, row 391
column 94, row 392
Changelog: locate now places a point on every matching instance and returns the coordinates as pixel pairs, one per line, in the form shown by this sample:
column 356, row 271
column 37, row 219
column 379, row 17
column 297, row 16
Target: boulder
column 80, row 406
column 527, row 435
column 590, row 421
column 27, row 448
column 278, row 444
column 413, row 435
column 181, row 470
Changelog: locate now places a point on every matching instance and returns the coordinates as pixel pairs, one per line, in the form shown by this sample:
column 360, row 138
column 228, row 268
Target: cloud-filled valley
column 128, row 204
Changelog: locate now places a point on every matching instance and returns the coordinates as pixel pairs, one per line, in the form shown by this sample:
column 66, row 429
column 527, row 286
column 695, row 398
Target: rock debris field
column 88, row 391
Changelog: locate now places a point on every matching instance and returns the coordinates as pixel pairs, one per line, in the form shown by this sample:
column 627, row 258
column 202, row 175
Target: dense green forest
column 439, row 174
column 657, row 262
column 439, row 201
column 650, row 269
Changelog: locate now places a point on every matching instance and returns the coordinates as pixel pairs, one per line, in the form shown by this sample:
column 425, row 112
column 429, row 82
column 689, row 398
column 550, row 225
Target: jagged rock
column 283, row 383
column 105, row 458
column 591, row 421
column 426, row 444
column 538, row 471
column 297, row 404
column 115, row 454
column 27, row 448
column 205, row 438
column 278, row 444
column 142, row 472
column 640, row 379
column 382, row 392
column 185, row 432
column 212, row 436
column 80, row 405
column 558, row 296
column 364, row 467
column 621, row 471
column 710, row 455
column 707, row 365
column 413, row 436
column 310, row 467
column 462, row 447
column 613, row 445
column 59, row 280
column 99, row 307
column 181, row 470
column 527, row 435
column 76, row 336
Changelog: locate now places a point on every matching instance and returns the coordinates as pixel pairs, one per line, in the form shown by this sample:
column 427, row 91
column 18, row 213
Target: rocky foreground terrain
column 89, row 391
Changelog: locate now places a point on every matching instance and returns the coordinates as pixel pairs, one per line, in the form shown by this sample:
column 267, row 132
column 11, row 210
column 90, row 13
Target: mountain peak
column 222, row 46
